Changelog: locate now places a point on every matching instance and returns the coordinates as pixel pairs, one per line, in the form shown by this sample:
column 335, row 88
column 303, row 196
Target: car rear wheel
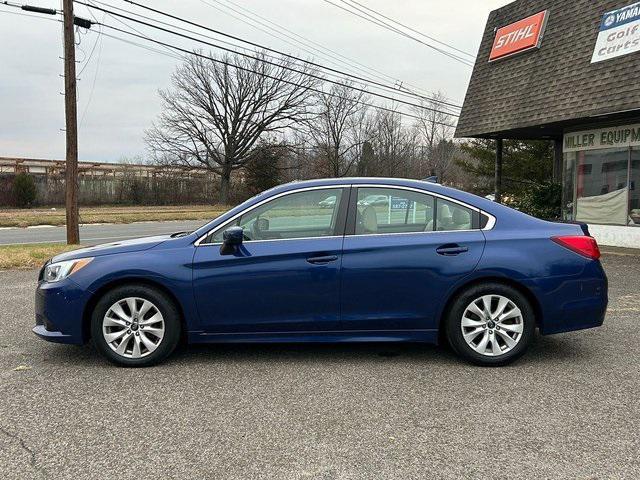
column 135, row 326
column 490, row 324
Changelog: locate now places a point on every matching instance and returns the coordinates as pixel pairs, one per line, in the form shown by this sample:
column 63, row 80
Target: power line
column 95, row 75
column 88, row 59
column 170, row 25
column 175, row 56
column 413, row 29
column 189, row 52
column 121, row 22
column 278, row 65
column 385, row 25
column 371, row 18
column 263, row 47
column 395, row 91
column 333, row 56
column 26, row 14
column 276, row 34
column 238, row 67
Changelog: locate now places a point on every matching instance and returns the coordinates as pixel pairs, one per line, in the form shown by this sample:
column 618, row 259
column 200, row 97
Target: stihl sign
column 519, row 36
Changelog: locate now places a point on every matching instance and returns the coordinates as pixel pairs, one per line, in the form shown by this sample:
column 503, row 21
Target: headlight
column 54, row 272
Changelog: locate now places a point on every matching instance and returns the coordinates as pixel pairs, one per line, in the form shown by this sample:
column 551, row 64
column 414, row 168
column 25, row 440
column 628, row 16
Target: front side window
column 312, row 213
column 390, row 210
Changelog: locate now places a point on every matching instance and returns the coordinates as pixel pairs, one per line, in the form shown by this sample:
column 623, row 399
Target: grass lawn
column 113, row 214
column 30, row 256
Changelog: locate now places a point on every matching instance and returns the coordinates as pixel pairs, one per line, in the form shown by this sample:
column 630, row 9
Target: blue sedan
column 430, row 263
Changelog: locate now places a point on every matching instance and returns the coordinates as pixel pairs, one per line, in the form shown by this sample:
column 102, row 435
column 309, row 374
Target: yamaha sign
column 619, row 33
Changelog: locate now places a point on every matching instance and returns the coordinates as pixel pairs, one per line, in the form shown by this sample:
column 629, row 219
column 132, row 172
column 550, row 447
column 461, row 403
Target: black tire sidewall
column 454, row 316
column 167, row 308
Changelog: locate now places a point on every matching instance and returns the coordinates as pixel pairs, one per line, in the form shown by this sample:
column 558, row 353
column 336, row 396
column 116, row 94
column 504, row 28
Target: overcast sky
column 117, row 91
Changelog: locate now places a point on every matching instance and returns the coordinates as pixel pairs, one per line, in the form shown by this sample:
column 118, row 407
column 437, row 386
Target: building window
column 634, row 188
column 568, row 186
column 601, row 186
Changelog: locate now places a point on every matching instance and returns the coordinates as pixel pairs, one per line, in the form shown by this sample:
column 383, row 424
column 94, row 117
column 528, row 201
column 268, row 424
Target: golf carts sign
column 519, row 37
column 619, row 33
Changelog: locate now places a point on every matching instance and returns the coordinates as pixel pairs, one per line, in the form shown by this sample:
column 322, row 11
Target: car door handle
column 451, row 249
column 322, row 260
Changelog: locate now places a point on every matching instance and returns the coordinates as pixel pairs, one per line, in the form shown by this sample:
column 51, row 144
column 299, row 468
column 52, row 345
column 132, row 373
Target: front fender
column 169, row 269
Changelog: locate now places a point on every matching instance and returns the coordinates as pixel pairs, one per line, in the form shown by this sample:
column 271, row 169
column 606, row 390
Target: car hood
column 123, row 246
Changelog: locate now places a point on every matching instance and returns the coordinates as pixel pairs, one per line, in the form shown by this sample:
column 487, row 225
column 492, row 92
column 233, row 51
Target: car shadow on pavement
column 314, row 352
column 571, row 347
column 551, row 349
column 543, row 350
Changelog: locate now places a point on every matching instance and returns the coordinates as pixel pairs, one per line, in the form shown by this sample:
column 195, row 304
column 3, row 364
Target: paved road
column 567, row 410
column 94, row 234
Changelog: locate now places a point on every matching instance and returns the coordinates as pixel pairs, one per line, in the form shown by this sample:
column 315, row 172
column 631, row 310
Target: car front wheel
column 135, row 326
column 490, row 324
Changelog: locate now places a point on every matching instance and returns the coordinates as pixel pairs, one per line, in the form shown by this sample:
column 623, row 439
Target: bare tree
column 433, row 127
column 442, row 158
column 393, row 143
column 337, row 132
column 219, row 108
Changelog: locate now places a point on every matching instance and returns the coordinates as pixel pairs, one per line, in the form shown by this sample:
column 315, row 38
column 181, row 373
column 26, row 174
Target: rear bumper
column 578, row 315
column 572, row 303
column 58, row 312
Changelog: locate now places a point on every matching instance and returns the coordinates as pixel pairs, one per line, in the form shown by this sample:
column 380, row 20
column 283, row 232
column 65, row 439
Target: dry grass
column 30, row 256
column 47, row 216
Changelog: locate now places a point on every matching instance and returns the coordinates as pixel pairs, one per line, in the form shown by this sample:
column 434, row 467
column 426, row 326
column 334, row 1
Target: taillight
column 585, row 246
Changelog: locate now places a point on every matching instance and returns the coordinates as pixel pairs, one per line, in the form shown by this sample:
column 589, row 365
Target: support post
column 558, row 158
column 498, row 171
column 71, row 118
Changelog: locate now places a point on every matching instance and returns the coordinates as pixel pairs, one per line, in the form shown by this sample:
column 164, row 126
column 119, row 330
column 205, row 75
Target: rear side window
column 453, row 216
column 390, row 210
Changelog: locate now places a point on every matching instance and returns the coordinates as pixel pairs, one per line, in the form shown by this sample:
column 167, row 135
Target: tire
column 490, row 339
column 140, row 340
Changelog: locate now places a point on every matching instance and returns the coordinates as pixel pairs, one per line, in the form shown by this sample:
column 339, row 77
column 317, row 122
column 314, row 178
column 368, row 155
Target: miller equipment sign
column 519, row 37
column 614, row 137
column 619, row 33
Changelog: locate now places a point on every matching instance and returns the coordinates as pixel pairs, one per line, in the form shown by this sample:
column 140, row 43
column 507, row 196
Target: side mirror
column 231, row 239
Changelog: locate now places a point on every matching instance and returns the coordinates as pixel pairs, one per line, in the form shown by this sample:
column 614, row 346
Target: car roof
column 474, row 200
column 507, row 215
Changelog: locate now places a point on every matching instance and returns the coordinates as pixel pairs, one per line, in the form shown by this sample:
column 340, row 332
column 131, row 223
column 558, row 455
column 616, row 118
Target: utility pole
column 71, row 118
column 70, row 109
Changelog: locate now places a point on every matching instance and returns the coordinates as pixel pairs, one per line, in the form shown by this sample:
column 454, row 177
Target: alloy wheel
column 133, row 327
column 492, row 325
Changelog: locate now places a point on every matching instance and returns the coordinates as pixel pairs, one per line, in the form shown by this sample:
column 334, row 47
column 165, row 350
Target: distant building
column 115, row 183
column 57, row 167
column 568, row 72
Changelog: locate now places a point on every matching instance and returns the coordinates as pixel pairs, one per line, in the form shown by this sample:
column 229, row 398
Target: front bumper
column 49, row 336
column 59, row 312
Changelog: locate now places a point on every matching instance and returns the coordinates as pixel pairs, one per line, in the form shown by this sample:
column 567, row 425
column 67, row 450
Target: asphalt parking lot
column 569, row 409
